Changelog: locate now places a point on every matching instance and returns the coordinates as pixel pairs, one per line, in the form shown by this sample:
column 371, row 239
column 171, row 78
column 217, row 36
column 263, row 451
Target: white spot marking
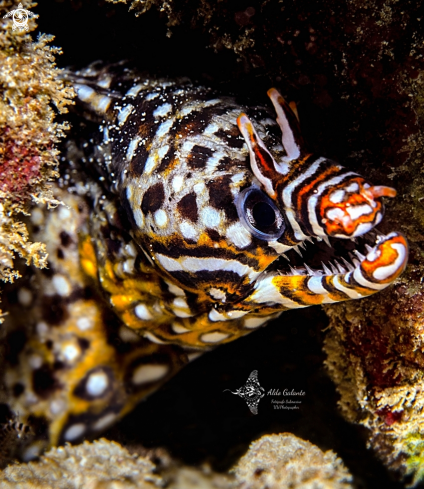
column 335, row 213
column 127, row 335
column 57, row 406
column 153, row 338
column 132, row 148
column 337, row 196
column 84, row 323
column 150, row 164
column 163, row 150
column 149, row 373
column 210, row 217
column 214, row 315
column 102, row 104
column 162, row 110
column 152, row 96
column 188, row 231
column 214, row 337
column 123, row 113
column 97, row 383
column 74, row 431
column 35, row 361
column 133, row 91
column 31, row 453
column 104, row 422
column 193, row 356
column 353, row 187
column 42, row 328
column 161, row 219
column 25, row 297
column 237, row 314
column 84, row 92
column 238, row 235
column 177, row 328
column 180, row 302
column 138, row 217
column 213, row 161
column 164, row 128
column 199, row 188
column 142, row 312
column 37, row 216
column 71, row 352
column 252, row 323
column 177, row 183
column 217, row 294
column 61, row 285
column 128, row 266
column 358, row 211
column 64, row 213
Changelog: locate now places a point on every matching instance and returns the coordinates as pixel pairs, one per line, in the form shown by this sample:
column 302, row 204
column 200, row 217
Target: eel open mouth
column 374, row 259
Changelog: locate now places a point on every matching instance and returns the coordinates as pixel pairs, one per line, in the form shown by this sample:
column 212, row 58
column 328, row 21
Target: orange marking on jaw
column 387, row 255
column 380, row 191
column 347, row 225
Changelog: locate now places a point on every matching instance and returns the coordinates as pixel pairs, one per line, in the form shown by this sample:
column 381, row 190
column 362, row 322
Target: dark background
column 348, row 96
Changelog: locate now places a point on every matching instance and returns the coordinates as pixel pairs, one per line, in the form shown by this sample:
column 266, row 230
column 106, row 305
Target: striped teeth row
column 336, row 267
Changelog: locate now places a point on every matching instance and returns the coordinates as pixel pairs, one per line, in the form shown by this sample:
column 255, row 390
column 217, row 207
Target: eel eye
column 259, row 214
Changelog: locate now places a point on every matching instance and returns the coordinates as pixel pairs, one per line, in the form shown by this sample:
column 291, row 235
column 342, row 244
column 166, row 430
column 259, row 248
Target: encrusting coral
column 272, row 462
column 29, row 87
column 286, row 462
column 98, row 465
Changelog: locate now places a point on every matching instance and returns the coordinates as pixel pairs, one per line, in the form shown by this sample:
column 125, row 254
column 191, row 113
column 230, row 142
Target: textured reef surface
column 30, row 88
column 275, row 461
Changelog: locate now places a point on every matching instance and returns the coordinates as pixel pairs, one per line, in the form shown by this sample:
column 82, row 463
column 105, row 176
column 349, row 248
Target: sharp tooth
column 359, row 255
column 302, row 245
column 318, row 238
column 309, row 270
column 333, row 268
column 327, row 271
column 284, row 256
column 327, row 241
column 339, row 267
column 369, row 248
column 309, row 238
column 349, row 266
column 356, row 262
column 353, row 240
column 293, row 271
column 296, row 249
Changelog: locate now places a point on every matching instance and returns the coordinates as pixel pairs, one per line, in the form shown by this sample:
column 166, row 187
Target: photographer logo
column 20, row 18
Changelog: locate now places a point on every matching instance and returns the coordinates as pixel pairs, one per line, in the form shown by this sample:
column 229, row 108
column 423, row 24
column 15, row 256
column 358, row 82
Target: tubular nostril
column 380, row 191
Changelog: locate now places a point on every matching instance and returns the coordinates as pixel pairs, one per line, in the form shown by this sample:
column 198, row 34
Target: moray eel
column 188, row 220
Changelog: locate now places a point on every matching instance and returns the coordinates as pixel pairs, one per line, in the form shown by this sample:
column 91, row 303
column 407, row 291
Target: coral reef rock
column 272, row 462
column 98, row 465
column 29, row 85
column 285, row 461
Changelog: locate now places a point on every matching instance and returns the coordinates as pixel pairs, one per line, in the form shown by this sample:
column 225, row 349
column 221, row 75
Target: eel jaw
column 384, row 263
column 302, row 288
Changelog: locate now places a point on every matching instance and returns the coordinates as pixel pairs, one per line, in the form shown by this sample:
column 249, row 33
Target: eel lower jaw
column 376, row 268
